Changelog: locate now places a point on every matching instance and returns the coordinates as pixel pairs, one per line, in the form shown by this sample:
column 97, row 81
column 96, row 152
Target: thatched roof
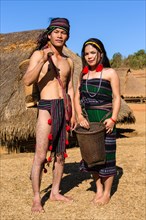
column 17, row 121
column 131, row 86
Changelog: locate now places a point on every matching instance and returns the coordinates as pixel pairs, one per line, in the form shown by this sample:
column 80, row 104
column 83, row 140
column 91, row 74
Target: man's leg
column 42, row 131
column 57, row 176
column 59, row 137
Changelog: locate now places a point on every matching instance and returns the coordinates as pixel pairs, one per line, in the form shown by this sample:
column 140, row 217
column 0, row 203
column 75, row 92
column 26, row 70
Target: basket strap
column 105, row 116
column 59, row 80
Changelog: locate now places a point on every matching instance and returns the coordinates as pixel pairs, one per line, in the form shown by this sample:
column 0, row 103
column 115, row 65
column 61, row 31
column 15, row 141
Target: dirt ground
column 128, row 192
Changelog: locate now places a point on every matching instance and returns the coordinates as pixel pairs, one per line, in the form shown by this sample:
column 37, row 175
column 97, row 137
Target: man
column 51, row 115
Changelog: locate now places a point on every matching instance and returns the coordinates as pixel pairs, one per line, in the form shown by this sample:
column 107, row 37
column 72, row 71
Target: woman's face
column 92, row 56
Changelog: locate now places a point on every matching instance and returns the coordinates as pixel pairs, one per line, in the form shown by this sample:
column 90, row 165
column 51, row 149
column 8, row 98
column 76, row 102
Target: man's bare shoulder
column 36, row 54
column 70, row 61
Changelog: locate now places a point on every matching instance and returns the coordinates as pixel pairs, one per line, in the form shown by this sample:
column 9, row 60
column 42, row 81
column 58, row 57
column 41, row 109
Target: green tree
column 137, row 60
column 134, row 61
column 116, row 61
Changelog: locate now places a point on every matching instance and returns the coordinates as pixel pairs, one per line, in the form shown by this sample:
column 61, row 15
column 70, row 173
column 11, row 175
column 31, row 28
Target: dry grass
column 128, row 199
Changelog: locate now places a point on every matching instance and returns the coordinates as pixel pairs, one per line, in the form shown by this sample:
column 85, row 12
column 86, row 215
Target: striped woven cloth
column 56, row 109
column 101, row 100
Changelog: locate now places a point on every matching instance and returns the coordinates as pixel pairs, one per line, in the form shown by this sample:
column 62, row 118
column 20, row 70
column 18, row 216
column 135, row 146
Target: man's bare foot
column 37, row 207
column 103, row 200
column 59, row 197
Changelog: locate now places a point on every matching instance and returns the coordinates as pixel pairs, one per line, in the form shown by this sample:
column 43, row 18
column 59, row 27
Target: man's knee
column 60, row 159
column 40, row 157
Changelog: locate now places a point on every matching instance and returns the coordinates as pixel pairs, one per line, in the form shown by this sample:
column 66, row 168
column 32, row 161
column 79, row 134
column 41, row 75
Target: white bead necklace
column 98, row 87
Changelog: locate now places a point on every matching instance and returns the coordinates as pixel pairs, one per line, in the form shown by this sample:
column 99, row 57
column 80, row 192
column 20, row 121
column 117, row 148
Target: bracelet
column 113, row 120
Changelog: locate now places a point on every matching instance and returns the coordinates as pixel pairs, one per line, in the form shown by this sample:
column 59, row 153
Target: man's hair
column 62, row 23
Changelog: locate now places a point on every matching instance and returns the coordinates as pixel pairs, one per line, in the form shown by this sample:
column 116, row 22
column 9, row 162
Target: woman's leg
column 99, row 187
column 107, row 183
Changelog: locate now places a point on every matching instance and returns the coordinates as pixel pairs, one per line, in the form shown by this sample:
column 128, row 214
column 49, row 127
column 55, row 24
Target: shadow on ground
column 125, row 132
column 74, row 177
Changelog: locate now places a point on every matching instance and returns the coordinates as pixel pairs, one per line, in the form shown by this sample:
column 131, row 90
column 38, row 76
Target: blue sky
column 120, row 25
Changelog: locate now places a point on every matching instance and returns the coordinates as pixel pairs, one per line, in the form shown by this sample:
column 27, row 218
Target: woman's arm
column 80, row 118
column 115, row 84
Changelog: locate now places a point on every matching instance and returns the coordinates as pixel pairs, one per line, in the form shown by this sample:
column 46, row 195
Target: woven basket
column 32, row 94
column 92, row 143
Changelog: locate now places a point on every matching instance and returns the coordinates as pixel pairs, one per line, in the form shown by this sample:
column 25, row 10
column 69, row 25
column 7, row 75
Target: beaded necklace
column 100, row 81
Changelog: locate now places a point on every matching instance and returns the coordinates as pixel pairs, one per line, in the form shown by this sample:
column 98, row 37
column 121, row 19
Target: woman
column 98, row 93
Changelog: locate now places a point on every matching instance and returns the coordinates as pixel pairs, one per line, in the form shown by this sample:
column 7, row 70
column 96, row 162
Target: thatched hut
column 17, row 121
column 132, row 89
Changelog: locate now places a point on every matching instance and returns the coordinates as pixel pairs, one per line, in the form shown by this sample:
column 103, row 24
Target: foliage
column 134, row 61
column 116, row 60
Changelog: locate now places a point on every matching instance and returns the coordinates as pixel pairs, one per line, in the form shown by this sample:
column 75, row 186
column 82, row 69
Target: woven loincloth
column 58, row 127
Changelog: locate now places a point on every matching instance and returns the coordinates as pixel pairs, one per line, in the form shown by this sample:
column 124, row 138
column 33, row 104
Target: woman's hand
column 83, row 122
column 109, row 125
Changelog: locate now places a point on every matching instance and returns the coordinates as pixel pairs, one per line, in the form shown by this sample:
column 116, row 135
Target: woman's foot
column 97, row 196
column 103, row 200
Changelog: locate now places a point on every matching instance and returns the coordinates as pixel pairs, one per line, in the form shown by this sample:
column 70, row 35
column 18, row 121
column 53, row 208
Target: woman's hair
column 96, row 43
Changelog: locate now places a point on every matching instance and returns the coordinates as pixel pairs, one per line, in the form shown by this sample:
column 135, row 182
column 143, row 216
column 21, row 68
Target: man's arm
column 36, row 63
column 70, row 87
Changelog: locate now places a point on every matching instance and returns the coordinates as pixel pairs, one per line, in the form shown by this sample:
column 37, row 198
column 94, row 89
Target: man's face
column 58, row 37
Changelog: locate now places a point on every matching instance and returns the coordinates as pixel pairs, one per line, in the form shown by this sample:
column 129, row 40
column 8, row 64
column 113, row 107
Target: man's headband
column 59, row 23
column 91, row 42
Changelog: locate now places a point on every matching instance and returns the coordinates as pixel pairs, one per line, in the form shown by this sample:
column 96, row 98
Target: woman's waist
column 98, row 106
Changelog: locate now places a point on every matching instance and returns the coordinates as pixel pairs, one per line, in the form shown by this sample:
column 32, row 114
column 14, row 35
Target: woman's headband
column 91, row 42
